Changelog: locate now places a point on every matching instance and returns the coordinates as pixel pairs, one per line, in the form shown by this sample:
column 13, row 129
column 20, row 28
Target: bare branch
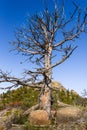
column 64, row 58
column 72, row 15
column 67, row 39
column 5, row 77
column 27, row 51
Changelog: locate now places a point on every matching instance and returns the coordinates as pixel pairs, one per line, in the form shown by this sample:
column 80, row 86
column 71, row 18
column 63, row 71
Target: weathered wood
column 31, row 109
column 45, row 99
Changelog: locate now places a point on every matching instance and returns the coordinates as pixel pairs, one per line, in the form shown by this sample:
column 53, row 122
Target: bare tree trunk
column 45, row 98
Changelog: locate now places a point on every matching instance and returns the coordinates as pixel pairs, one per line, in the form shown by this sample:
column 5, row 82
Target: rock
column 39, row 117
column 61, row 104
column 74, row 92
column 83, row 119
column 58, row 86
column 6, row 118
column 85, row 116
column 1, row 128
column 68, row 114
column 17, row 127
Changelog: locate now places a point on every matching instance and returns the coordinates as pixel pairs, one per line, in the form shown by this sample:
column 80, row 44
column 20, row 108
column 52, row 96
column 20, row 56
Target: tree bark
column 45, row 99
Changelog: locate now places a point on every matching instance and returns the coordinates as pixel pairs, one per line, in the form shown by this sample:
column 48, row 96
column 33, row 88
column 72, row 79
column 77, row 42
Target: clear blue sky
column 72, row 74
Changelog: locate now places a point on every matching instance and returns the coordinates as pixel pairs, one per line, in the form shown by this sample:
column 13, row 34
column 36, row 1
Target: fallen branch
column 35, row 107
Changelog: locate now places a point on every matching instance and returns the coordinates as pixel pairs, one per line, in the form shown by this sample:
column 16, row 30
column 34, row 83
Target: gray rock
column 17, row 127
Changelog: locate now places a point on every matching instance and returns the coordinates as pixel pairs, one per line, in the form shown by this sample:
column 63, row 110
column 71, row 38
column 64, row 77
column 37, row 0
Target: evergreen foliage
column 23, row 96
column 26, row 97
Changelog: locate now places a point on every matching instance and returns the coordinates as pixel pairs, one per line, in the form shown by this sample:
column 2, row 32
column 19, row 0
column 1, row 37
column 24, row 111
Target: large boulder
column 39, row 117
column 67, row 114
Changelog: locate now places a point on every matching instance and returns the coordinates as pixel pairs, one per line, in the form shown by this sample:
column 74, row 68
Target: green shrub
column 19, row 118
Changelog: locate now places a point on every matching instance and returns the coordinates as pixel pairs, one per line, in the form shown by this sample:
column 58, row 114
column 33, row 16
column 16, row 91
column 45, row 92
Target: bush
column 19, row 118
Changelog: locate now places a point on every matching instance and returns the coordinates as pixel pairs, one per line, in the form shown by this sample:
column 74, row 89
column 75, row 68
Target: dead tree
column 45, row 36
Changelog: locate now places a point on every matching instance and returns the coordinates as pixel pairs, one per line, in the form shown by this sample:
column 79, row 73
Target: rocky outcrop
column 58, row 85
column 74, row 92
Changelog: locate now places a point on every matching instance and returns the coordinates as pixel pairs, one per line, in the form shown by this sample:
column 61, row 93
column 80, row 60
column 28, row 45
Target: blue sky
column 72, row 73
